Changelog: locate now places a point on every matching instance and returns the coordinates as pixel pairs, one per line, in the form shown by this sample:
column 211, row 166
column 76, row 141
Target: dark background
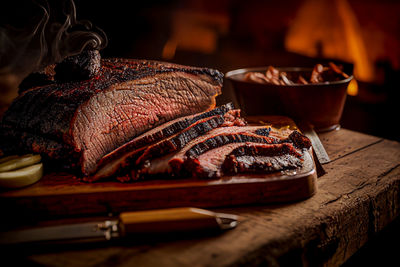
column 231, row 34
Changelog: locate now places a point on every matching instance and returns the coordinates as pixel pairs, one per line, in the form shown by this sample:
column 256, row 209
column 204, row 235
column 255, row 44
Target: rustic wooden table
column 356, row 198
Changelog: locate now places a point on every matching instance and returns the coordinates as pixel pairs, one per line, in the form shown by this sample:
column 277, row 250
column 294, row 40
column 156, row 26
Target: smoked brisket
column 251, row 156
column 160, row 132
column 136, row 159
column 261, row 158
column 173, row 163
column 91, row 118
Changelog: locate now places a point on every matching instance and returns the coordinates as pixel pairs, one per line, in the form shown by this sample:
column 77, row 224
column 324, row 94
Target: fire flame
column 330, row 29
column 352, row 88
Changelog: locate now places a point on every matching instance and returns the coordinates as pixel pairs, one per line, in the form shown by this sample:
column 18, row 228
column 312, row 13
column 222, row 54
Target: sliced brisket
column 157, row 139
column 260, row 164
column 93, row 117
column 299, row 140
column 172, row 163
column 261, row 158
column 163, row 131
column 218, row 138
column 179, row 141
column 264, row 150
column 208, row 164
column 231, row 135
column 232, row 158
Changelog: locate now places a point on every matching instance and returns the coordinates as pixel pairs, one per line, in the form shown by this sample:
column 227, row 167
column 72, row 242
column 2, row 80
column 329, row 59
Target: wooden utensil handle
column 167, row 220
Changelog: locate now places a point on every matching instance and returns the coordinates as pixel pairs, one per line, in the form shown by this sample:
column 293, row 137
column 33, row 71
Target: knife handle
column 169, row 220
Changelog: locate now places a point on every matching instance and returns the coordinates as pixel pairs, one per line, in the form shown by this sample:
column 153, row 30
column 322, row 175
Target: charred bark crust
column 79, row 67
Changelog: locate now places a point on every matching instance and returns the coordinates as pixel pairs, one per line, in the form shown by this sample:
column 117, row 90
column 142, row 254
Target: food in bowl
column 319, row 74
column 313, row 95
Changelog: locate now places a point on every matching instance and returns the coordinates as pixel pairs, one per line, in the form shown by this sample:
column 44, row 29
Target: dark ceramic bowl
column 320, row 104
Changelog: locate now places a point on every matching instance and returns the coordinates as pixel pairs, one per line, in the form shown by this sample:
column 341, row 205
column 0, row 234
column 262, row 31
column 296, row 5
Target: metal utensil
column 319, row 151
column 128, row 224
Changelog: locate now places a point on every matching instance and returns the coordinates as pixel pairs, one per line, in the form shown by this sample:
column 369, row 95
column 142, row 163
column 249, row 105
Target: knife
column 129, row 223
column 319, row 151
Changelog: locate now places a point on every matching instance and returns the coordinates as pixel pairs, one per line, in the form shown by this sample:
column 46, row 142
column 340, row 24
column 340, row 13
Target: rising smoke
column 50, row 33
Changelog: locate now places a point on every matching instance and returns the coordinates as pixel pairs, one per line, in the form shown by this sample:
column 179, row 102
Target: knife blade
column 128, row 223
column 319, row 152
column 318, row 148
column 69, row 232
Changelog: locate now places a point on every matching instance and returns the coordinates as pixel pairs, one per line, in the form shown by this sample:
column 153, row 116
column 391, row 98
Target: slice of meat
column 160, row 132
column 260, row 164
column 172, row 163
column 138, row 158
column 177, row 125
column 286, row 153
column 262, row 158
column 210, row 164
column 179, row 141
column 218, row 138
column 177, row 162
column 127, row 154
column 91, row 118
column 231, row 135
column 298, row 139
column 265, row 150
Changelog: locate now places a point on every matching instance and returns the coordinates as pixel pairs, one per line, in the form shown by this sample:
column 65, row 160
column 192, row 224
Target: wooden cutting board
column 61, row 194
